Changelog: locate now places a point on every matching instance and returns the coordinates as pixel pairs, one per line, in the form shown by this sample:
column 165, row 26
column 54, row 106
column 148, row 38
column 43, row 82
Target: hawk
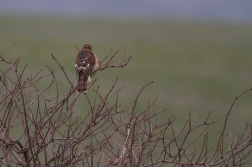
column 85, row 62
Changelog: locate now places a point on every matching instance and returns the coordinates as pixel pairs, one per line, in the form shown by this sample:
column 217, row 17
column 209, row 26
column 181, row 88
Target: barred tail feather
column 82, row 83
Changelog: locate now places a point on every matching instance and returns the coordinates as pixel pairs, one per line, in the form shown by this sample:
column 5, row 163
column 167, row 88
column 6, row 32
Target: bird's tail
column 82, row 82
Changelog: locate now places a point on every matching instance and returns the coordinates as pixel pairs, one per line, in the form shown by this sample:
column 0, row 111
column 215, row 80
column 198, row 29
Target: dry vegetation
column 39, row 130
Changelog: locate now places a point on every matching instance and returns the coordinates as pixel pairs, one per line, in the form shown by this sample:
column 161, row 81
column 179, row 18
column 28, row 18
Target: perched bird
column 85, row 62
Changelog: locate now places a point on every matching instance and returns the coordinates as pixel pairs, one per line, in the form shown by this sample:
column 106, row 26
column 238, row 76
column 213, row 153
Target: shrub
column 39, row 130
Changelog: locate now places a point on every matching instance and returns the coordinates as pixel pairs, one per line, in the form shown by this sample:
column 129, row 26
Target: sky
column 226, row 10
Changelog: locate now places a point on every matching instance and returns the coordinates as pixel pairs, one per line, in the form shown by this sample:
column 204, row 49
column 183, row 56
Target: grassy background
column 195, row 65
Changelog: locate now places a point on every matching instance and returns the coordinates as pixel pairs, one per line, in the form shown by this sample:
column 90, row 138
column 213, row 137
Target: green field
column 195, row 65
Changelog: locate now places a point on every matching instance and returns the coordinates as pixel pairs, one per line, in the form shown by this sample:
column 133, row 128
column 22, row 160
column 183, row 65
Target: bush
column 39, row 130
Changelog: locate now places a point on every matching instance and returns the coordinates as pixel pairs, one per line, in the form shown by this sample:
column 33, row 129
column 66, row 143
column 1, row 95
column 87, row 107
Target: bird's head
column 87, row 46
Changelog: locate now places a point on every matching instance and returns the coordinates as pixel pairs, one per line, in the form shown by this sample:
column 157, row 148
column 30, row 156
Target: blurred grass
column 195, row 66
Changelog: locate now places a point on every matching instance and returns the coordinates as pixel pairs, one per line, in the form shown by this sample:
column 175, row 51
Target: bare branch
column 41, row 130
